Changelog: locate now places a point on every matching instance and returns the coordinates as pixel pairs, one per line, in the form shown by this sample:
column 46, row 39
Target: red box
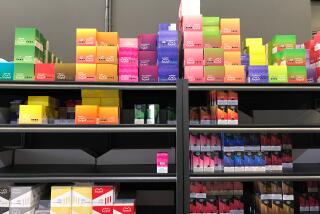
column 102, row 210
column 124, row 207
column 103, row 196
column 44, row 72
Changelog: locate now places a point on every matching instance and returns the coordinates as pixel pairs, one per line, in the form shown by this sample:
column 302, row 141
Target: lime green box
column 23, row 71
column 28, row 37
column 210, row 21
column 28, row 54
column 211, row 37
column 278, row 74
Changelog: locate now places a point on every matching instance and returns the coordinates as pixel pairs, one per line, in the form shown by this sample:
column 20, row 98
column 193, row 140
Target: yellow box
column 231, row 42
column 86, row 54
column 86, row 36
column 232, row 58
column 253, row 42
column 107, row 73
column 86, row 72
column 230, row 26
column 86, row 114
column 107, row 55
column 31, row 114
column 107, row 38
column 60, row 201
column 100, row 93
column 81, row 199
column 109, row 115
column 257, row 50
column 258, row 60
column 41, row 100
column 110, row 101
column 91, row 101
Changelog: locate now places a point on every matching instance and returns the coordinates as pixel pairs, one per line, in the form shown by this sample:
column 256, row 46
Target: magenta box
column 147, row 42
column 162, row 162
column 128, row 43
column 192, row 40
column 192, row 23
column 147, row 58
column 193, row 73
column 193, row 57
column 148, row 73
column 128, row 74
column 128, row 56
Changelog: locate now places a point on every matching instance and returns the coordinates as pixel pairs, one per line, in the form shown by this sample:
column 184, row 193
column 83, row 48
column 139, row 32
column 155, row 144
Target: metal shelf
column 86, row 85
column 254, row 87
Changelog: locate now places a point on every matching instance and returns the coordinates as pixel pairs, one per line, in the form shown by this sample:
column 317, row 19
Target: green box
column 211, row 37
column 297, row 74
column 28, row 37
column 294, row 57
column 280, row 42
column 28, row 54
column 278, row 74
column 210, row 21
column 23, row 71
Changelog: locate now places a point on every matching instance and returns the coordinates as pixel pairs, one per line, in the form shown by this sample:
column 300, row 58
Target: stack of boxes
column 98, row 107
column 168, row 53
column 86, row 52
column 308, row 194
column 128, row 60
column 148, row 69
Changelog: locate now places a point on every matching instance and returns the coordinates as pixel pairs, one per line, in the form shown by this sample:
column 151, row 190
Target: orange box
column 231, row 42
column 86, row 36
column 86, row 54
column 86, row 115
column 230, row 26
column 109, row 115
column 107, row 73
column 107, row 55
column 86, row 72
column 107, row 38
column 234, row 74
column 232, row 58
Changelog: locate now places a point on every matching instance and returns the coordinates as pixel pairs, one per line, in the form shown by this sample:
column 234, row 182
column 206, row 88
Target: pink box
column 128, row 56
column 192, row 40
column 197, row 162
column 193, row 57
column 128, row 43
column 128, row 74
column 208, row 162
column 193, row 73
column 192, row 23
column 162, row 162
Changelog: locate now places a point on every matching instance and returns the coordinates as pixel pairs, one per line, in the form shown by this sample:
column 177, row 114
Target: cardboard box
column 231, row 42
column 128, row 74
column 140, row 111
column 110, row 102
column 192, row 23
column 278, row 74
column 297, row 74
column 28, row 37
column 211, row 21
column 168, row 56
column 31, row 114
column 129, row 43
column 248, row 42
column 107, row 38
column 23, row 72
column 124, row 206
column 5, row 199
column 65, row 72
column 103, row 196
column 214, row 74
column 197, row 162
column 91, row 101
column 86, row 72
column 45, row 101
column 109, row 115
column 28, row 54
column 293, row 57
column 220, row 115
column 211, row 37
column 148, row 58
column 44, row 72
column 102, row 210
column 208, row 162
column 60, row 200
column 86, row 37
column 128, row 57
column 24, row 198
column 86, row 93
column 232, row 58
column 86, row 115
column 213, row 56
column 234, row 74
column 258, row 74
column 87, row 54
column 193, row 57
column 81, row 199
column 168, row 73
column 107, row 73
column 6, row 71
column 107, row 55
column 230, row 26
column 162, row 162
column 148, row 73
column 233, row 118
column 193, row 39
column 193, row 73
column 147, row 42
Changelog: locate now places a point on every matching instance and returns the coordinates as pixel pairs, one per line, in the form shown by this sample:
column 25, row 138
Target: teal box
column 6, row 71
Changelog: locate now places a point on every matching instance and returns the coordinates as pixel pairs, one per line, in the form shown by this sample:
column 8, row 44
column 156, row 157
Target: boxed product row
column 150, row 114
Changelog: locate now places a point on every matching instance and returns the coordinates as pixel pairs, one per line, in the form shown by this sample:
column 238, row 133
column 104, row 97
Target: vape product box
column 147, row 42
column 25, row 196
column 22, row 210
column 81, row 199
column 233, row 98
column 293, row 57
column 86, row 115
column 311, row 73
column 153, row 114
column 45, row 101
column 232, row 58
column 107, row 73
column 257, row 74
column 220, row 115
column 278, row 74
column 195, row 143
column 224, row 204
column 91, row 101
column 276, row 159
column 109, row 115
column 107, row 55
column 31, row 114
column 257, row 55
column 205, row 116
column 211, row 37
column 233, row 118
column 168, row 39
column 103, row 196
column 239, row 162
column 205, row 142
column 249, row 165
column 65, row 72
column 219, row 98
column 213, row 56
column 86, row 37
column 86, row 72
column 234, row 74
column 28, row 54
column 197, row 162
column 194, row 116
column 128, row 57
column 228, row 161
column 4, row 199
column 193, row 73
column 107, row 38
column 23, row 71
column 214, row 74
column 230, row 26
column 195, row 206
column 124, row 206
column 129, row 43
column 27, row 37
column 248, row 42
column 86, row 54
column 147, row 58
column 6, row 71
column 193, row 57
column 168, row 56
column 280, row 42
column 210, row 21
column 102, row 209
column 192, row 23
column 218, row 161
column 60, row 201
column 140, row 113
column 193, row 40
column 148, row 73
column 44, row 72
column 259, row 162
column 231, row 42
column 287, row 160
column 313, row 200
column 162, row 162
column 128, row 74
column 297, row 74
column 168, row 73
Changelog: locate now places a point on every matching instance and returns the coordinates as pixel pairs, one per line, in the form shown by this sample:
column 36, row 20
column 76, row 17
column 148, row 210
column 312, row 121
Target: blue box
column 258, row 74
column 6, row 70
column 168, row 73
column 168, row 56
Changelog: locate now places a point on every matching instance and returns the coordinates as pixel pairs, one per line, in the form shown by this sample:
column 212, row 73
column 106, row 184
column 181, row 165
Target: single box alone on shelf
column 107, row 38
column 193, row 73
column 232, row 58
column 168, row 73
column 278, row 74
column 23, row 71
column 86, row 114
column 193, row 57
column 60, row 200
column 124, row 206
column 192, row 23
column 44, row 72
column 162, row 162
column 86, row 72
column 297, row 74
column 213, row 56
column 6, row 71
column 109, row 115
column 65, row 72
column 193, row 39
column 257, row 74
column 148, row 73
column 230, row 26
column 86, row 54
column 211, row 37
column 234, row 74
column 214, row 74
column 107, row 73
column 147, row 42
column 107, row 55
column 86, row 37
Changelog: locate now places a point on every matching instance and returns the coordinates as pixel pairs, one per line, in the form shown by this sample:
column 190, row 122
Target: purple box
column 168, row 56
column 311, row 73
column 148, row 73
column 147, row 58
column 257, row 74
column 244, row 59
column 147, row 42
column 168, row 73
column 168, row 39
